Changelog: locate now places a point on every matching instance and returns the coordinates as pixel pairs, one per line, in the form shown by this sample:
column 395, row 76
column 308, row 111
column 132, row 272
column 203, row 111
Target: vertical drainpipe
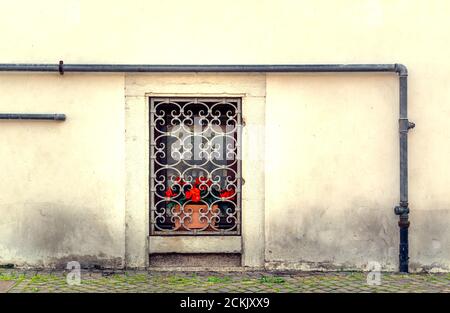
column 402, row 210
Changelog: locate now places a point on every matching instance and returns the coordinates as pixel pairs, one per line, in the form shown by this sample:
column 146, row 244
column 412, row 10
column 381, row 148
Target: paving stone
column 201, row 282
column 6, row 285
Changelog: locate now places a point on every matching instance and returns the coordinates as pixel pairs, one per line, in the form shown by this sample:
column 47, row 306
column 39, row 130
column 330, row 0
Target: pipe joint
column 401, row 210
column 401, row 70
column 403, row 222
column 405, row 125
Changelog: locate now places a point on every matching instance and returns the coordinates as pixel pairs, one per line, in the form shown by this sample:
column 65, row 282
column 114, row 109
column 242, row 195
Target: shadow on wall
column 321, row 239
column 325, row 240
column 428, row 240
column 50, row 235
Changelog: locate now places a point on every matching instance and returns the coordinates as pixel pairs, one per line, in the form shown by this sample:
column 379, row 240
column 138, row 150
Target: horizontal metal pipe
column 29, row 67
column 228, row 68
column 32, row 116
column 402, row 209
column 200, row 68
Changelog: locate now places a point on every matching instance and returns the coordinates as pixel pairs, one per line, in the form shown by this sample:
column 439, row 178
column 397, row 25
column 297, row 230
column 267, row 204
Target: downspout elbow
column 401, row 69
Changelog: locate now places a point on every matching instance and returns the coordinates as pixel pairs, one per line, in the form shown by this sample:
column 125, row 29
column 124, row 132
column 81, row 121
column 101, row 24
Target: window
column 195, row 163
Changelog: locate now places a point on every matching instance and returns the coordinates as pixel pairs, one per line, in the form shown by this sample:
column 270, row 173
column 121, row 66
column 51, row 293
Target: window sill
column 195, row 244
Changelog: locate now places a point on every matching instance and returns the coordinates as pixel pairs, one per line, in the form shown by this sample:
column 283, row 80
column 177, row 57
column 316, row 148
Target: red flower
column 180, row 181
column 203, row 182
column 225, row 194
column 170, row 193
column 193, row 194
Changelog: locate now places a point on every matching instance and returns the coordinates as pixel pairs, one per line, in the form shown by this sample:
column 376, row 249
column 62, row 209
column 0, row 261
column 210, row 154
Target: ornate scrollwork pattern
column 195, row 166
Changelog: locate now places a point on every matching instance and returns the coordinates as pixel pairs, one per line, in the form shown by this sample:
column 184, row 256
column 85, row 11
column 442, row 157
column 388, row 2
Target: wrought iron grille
column 195, row 180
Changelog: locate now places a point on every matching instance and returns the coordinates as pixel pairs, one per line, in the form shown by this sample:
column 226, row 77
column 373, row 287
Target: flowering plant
column 200, row 190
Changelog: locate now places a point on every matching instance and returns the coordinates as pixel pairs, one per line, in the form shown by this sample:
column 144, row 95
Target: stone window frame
column 138, row 90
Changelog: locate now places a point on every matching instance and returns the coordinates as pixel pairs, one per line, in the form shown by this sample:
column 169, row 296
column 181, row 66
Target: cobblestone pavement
column 16, row 281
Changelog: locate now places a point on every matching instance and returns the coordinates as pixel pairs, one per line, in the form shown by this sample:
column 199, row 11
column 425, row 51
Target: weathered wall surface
column 328, row 201
column 336, row 180
column 343, row 168
column 62, row 183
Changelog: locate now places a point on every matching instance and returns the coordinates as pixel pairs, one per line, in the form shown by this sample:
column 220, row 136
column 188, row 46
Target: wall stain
column 50, row 235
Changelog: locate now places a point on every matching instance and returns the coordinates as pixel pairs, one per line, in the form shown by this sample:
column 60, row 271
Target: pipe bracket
column 405, row 125
column 61, row 67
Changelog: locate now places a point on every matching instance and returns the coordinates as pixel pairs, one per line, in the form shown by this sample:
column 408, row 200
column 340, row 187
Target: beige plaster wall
column 62, row 183
column 331, row 170
column 328, row 203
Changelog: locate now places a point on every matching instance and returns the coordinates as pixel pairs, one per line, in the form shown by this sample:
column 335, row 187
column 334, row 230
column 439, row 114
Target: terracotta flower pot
column 194, row 221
